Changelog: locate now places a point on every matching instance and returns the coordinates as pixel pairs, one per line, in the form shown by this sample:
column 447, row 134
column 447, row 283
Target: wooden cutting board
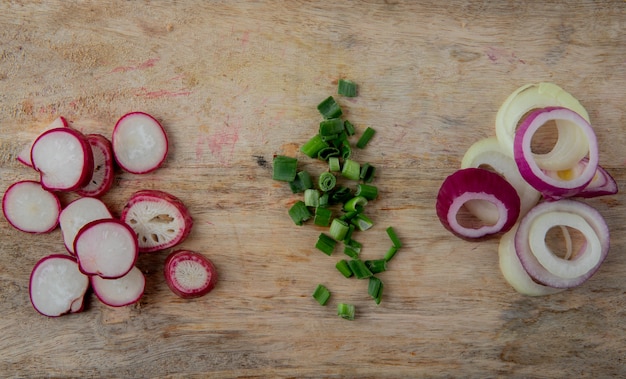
column 235, row 83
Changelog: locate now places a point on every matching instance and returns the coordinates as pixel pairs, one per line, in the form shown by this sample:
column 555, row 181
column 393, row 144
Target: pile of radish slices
column 102, row 250
column 515, row 186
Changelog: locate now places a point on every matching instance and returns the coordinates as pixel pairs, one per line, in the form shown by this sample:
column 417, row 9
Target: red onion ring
column 602, row 183
column 477, row 184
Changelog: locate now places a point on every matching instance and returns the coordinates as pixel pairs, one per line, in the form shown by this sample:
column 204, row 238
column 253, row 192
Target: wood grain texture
column 235, row 83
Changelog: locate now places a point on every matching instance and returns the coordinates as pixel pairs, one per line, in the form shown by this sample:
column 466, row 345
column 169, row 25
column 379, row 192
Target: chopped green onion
column 329, row 108
column 367, row 173
column 332, row 126
column 302, row 182
column 344, row 268
column 376, row 266
column 333, row 164
column 341, row 195
column 351, row 169
column 375, row 289
column 356, row 245
column 311, row 197
column 390, row 253
column 359, row 269
column 324, row 199
column 321, row 294
column 326, row 181
column 362, row 222
column 299, row 212
column 346, row 88
column 330, row 138
column 355, row 204
column 367, row 191
column 345, row 311
column 338, row 229
column 394, row 237
column 285, row 168
column 351, row 251
column 348, row 236
column 322, row 216
column 350, row 131
column 345, row 150
column 365, row 137
column 325, row 244
column 327, row 152
column 313, row 146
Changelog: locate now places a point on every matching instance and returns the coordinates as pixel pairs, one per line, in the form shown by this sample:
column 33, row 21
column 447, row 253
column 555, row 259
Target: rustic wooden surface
column 235, row 83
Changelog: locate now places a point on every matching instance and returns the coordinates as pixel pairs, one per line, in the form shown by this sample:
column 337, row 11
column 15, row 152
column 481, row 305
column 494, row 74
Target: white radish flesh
column 102, row 177
column 57, row 286
column 189, row 274
column 63, row 158
column 30, row 208
column 121, row 291
column 139, row 142
column 24, row 155
column 106, row 247
column 159, row 219
column 79, row 213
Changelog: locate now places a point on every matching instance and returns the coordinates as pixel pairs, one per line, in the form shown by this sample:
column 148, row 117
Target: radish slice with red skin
column 121, row 291
column 106, row 247
column 63, row 158
column 513, row 271
column 590, row 256
column 159, row 219
column 103, row 170
column 477, row 184
column 24, row 155
column 554, row 188
column 140, row 144
column 189, row 274
column 57, row 286
column 79, row 213
column 29, row 207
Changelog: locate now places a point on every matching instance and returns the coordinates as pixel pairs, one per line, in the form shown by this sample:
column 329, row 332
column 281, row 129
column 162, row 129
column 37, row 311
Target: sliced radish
column 57, row 286
column 189, row 274
column 160, row 219
column 102, row 177
column 63, row 158
column 30, row 208
column 79, row 213
column 24, row 155
column 106, row 247
column 121, row 291
column 140, row 143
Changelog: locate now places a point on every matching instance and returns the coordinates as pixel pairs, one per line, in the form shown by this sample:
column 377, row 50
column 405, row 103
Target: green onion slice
column 394, row 237
column 321, row 294
column 302, row 182
column 346, row 311
column 365, row 137
column 367, row 173
column 359, row 268
column 322, row 215
column 329, row 108
column 326, row 181
column 325, row 244
column 376, row 266
column 285, row 168
column 349, row 127
column 362, row 222
column 333, row 164
column 356, row 204
column 313, row 146
column 367, row 191
column 299, row 212
column 390, row 253
column 346, row 88
column 344, row 268
column 338, row 229
column 311, row 197
column 332, row 126
column 327, row 152
column 375, row 289
column 351, row 169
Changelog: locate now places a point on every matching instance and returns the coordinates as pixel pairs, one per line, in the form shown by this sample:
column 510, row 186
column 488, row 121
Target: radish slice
column 30, row 208
column 541, row 263
column 477, row 184
column 489, row 152
column 24, row 155
column 140, row 143
column 63, row 158
column 102, row 177
column 106, row 247
column 121, row 291
column 527, row 98
column 159, row 219
column 57, row 286
column 189, row 274
column 554, row 187
column 79, row 213
column 513, row 271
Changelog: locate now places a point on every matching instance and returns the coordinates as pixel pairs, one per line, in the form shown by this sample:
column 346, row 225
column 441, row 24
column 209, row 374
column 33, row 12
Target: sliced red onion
column 477, row 184
column 602, row 183
column 541, row 263
column 554, row 187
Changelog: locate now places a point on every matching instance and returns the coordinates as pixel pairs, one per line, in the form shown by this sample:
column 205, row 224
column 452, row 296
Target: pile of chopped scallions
column 320, row 197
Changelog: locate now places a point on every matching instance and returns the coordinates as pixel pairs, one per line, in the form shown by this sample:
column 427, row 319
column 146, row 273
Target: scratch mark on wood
column 141, row 66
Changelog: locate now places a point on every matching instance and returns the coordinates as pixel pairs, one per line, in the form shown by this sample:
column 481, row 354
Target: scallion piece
column 338, row 229
column 356, row 245
column 326, row 181
column 376, row 266
column 299, row 212
column 346, row 88
column 359, row 269
column 331, row 126
column 313, row 146
column 333, row 164
column 356, row 204
column 345, row 150
column 327, row 152
column 362, row 222
column 390, row 253
column 324, row 200
column 322, row 216
column 344, row 268
column 311, row 197
column 365, row 137
column 367, row 191
column 346, row 311
column 348, row 236
column 285, row 168
column 367, row 173
column 325, row 244
column 351, row 251
column 329, row 108
column 321, row 294
column 330, row 138
column 375, row 289
column 351, row 169
column 350, row 131
column 394, row 237
column 302, row 182
column 341, row 195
